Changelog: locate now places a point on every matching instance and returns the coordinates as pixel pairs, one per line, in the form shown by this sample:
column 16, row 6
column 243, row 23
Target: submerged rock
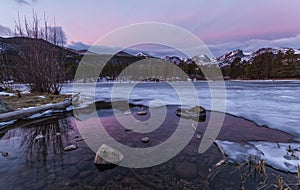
column 197, row 113
column 107, row 155
column 70, row 147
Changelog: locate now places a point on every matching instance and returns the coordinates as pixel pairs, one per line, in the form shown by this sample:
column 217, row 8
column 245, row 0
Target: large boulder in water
column 4, row 108
column 107, row 155
column 196, row 113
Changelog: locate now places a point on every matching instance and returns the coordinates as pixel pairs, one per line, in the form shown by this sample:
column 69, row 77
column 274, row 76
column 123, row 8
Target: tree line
column 265, row 66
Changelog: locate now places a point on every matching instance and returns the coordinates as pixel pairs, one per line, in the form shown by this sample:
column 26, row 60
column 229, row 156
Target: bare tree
column 42, row 57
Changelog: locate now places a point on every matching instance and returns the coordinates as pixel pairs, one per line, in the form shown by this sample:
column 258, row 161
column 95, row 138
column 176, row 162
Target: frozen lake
column 275, row 104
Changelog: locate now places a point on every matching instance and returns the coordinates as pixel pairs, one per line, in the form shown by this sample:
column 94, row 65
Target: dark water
column 43, row 164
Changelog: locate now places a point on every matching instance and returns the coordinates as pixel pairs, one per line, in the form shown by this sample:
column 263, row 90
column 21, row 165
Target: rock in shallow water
column 196, row 113
column 107, row 155
column 141, row 113
column 70, row 147
column 145, row 139
column 38, row 137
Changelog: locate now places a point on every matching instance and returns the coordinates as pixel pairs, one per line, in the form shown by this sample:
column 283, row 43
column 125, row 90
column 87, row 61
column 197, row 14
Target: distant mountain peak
column 142, row 54
column 203, row 59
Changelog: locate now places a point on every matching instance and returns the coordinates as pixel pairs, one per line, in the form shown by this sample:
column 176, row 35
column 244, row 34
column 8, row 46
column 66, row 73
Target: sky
column 221, row 25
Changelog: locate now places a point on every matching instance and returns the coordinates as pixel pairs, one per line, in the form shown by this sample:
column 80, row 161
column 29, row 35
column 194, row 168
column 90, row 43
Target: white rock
column 70, row 147
column 38, row 137
column 141, row 113
column 145, row 139
column 108, row 155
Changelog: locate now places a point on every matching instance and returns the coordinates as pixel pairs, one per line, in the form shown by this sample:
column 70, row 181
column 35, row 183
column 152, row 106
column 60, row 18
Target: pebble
column 141, row 113
column 38, row 137
column 145, row 139
column 58, row 134
column 70, row 147
column 198, row 136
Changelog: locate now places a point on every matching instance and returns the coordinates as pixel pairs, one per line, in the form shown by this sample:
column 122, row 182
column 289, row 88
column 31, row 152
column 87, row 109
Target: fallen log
column 30, row 111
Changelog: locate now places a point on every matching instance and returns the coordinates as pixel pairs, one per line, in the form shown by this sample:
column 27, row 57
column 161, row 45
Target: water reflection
column 35, row 150
column 37, row 160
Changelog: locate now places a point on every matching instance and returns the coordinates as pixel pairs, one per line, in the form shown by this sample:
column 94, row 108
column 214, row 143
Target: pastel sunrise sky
column 221, row 24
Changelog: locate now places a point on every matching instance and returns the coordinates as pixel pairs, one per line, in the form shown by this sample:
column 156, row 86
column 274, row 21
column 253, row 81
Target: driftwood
column 30, row 111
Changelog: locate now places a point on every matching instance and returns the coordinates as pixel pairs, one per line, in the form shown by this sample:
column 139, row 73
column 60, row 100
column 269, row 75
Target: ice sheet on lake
column 276, row 155
column 275, row 104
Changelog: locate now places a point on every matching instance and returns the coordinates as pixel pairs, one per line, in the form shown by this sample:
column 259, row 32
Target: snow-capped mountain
column 227, row 59
column 143, row 55
column 174, row 59
column 203, row 60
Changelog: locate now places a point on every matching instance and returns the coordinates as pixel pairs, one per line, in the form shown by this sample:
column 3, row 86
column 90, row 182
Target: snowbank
column 281, row 156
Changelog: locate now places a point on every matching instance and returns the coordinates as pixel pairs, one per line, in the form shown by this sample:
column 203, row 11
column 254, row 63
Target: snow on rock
column 43, row 97
column 282, row 156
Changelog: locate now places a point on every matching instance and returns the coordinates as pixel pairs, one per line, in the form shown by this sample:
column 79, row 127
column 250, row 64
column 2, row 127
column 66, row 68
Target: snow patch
column 6, row 123
column 281, row 156
column 6, row 94
column 240, row 153
column 45, row 113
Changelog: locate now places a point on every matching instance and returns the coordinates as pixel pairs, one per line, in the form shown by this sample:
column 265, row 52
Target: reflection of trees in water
column 49, row 148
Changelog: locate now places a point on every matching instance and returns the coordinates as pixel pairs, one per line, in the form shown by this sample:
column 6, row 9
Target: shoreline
column 235, row 129
column 106, row 105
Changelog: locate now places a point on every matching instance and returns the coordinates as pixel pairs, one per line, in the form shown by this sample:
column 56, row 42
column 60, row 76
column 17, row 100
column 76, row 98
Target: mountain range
column 267, row 62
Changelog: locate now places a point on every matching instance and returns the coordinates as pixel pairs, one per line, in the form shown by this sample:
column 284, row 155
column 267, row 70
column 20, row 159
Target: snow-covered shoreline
column 281, row 156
